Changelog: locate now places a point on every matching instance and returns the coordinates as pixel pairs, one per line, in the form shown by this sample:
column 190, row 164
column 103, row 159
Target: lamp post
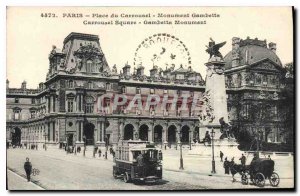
column 106, row 146
column 213, row 171
column 190, row 140
column 74, row 139
column 45, row 135
column 84, row 145
column 181, row 159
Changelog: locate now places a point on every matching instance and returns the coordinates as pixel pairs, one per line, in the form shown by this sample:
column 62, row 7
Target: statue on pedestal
column 213, row 48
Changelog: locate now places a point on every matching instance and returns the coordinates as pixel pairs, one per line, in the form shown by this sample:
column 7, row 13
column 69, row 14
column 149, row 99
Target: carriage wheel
column 274, row 179
column 115, row 173
column 244, row 179
column 126, row 177
column 260, row 180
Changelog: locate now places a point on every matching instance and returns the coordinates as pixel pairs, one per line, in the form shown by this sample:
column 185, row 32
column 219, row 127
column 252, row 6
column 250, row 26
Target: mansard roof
column 251, row 51
column 83, row 36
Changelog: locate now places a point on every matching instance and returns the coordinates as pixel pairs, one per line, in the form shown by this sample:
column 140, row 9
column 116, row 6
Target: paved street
column 60, row 171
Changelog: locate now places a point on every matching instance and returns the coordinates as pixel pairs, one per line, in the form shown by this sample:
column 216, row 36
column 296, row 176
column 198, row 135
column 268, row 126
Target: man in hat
column 28, row 168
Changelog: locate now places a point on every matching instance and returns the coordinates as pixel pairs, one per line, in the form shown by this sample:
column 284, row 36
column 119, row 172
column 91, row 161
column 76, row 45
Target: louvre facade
column 64, row 108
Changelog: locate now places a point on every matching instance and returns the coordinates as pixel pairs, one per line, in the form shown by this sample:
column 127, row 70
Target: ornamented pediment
column 266, row 65
column 88, row 52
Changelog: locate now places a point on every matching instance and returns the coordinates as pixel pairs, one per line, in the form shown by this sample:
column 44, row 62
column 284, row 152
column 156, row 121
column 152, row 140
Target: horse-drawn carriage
column 259, row 171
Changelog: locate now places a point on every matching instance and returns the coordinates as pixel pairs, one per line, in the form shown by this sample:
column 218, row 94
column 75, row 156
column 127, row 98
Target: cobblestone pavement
column 61, row 171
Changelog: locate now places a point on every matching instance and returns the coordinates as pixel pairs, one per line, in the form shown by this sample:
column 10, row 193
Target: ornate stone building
column 64, row 109
column 254, row 80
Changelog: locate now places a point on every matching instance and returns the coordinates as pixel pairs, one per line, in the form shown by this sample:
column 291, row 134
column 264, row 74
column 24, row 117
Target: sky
column 30, row 37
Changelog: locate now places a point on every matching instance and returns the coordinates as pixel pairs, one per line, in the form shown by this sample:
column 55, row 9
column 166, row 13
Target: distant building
column 64, row 108
column 255, row 79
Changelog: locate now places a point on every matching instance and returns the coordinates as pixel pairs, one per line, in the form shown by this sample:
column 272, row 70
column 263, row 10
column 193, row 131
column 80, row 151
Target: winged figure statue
column 213, row 48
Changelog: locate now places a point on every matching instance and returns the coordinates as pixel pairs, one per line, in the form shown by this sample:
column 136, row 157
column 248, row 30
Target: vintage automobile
column 260, row 170
column 137, row 161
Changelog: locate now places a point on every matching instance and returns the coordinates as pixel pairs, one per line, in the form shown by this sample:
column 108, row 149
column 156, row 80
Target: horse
column 236, row 168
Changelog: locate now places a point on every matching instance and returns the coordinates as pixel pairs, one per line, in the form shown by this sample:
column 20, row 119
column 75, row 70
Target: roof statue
column 213, row 48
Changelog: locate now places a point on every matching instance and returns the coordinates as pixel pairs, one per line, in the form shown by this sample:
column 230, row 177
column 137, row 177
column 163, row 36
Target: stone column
column 102, row 132
column 51, row 104
column 215, row 88
column 78, row 131
column 53, row 139
column 121, row 130
column 81, row 132
column 48, row 103
column 82, row 109
column 98, row 133
column 49, row 131
column 54, row 105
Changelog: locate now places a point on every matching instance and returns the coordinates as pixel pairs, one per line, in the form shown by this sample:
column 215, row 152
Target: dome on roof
column 251, row 51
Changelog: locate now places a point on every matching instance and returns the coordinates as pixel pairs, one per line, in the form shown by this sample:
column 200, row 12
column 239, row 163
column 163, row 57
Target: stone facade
column 64, row 109
column 254, row 81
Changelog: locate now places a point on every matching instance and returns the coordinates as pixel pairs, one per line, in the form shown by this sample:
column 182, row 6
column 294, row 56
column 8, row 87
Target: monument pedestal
column 216, row 109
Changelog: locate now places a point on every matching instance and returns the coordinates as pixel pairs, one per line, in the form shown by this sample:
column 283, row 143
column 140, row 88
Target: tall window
column 123, row 89
column 17, row 114
column 138, row 90
column 71, row 104
column 246, row 110
column 90, row 85
column 16, row 100
column 89, row 107
column 89, row 64
column 71, row 84
column 108, row 86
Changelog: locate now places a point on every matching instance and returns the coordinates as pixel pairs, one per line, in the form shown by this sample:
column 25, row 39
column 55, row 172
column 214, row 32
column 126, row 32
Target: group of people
column 227, row 164
column 25, row 145
column 97, row 150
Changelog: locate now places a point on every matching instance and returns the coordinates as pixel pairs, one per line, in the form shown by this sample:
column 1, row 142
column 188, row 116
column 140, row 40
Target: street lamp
column 213, row 171
column 180, row 143
column 106, row 146
column 45, row 135
column 74, row 139
column 84, row 145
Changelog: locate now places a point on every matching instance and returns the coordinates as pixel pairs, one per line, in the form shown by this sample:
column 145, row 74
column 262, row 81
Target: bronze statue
column 213, row 49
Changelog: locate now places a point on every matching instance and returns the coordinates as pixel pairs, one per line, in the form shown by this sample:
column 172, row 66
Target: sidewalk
column 203, row 165
column 171, row 161
column 17, row 182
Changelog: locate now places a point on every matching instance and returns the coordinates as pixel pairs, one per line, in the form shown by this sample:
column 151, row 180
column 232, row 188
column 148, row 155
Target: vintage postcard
column 150, row 98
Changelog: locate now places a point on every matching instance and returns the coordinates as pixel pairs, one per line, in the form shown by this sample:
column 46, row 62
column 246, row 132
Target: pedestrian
column 221, row 156
column 99, row 152
column 232, row 161
column 269, row 157
column 243, row 160
column 28, row 168
column 226, row 166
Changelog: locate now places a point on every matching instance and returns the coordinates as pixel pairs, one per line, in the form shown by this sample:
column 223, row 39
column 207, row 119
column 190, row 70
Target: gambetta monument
column 215, row 118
